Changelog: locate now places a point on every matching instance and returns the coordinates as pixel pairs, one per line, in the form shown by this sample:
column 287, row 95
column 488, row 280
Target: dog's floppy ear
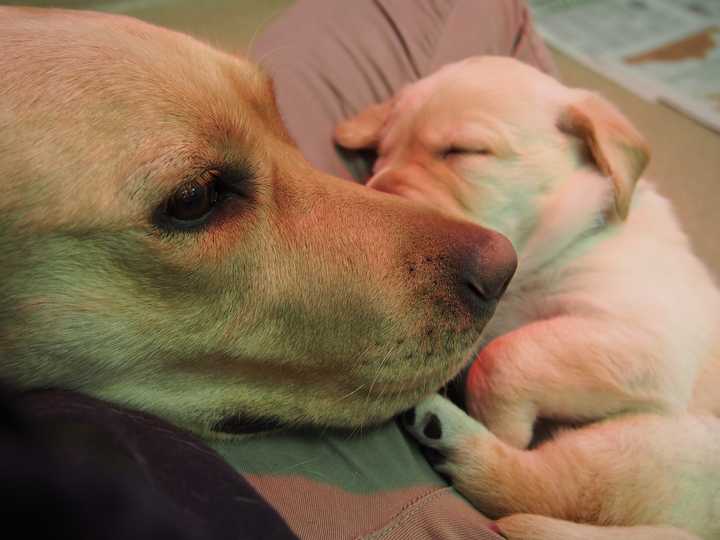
column 363, row 130
column 619, row 151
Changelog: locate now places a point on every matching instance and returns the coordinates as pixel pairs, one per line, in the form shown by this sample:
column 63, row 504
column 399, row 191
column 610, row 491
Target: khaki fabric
column 377, row 484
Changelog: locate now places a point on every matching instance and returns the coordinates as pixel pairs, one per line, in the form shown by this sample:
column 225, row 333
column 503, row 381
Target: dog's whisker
column 380, row 368
column 415, row 376
column 360, row 387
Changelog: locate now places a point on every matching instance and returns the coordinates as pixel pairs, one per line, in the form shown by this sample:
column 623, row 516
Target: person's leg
column 331, row 59
column 93, row 470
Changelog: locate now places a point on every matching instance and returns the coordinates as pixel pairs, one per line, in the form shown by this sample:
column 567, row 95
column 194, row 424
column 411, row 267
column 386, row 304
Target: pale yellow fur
column 305, row 300
column 611, row 319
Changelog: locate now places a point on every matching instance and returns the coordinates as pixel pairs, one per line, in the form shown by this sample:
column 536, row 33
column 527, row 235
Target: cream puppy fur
column 611, row 320
column 165, row 245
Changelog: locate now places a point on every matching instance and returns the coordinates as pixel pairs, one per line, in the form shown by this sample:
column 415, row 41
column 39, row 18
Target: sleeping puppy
column 166, row 247
column 610, row 317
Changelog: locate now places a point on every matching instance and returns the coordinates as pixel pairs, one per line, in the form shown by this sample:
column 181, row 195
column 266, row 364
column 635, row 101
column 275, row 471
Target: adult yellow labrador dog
column 165, row 245
column 610, row 317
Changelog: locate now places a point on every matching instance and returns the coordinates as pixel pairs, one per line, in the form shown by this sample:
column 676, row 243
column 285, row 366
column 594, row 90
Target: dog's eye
column 193, row 200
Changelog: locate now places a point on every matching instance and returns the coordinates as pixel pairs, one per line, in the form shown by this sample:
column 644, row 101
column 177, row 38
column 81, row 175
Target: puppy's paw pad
column 423, row 424
column 428, row 430
column 439, row 424
column 433, row 427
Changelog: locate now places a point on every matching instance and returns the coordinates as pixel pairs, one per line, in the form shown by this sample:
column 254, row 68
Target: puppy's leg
column 495, row 477
column 628, row 471
column 573, row 369
column 534, row 527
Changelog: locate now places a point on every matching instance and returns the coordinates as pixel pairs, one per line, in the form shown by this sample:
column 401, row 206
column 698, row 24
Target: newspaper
column 663, row 50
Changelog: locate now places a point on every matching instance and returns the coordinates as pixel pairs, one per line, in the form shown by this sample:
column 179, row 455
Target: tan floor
column 686, row 156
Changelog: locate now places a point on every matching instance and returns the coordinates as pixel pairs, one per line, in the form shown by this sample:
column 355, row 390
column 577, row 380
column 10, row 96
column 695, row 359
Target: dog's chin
column 369, row 403
column 382, row 399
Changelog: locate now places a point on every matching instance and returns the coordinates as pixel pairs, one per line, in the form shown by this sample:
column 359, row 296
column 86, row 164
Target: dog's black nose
column 486, row 265
column 489, row 271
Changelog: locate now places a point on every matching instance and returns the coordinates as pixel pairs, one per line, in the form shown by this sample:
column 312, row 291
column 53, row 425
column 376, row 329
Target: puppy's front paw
column 471, row 452
column 512, row 424
column 438, row 424
column 501, row 403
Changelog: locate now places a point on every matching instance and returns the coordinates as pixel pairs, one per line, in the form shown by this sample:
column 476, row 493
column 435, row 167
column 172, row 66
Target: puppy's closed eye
column 464, row 151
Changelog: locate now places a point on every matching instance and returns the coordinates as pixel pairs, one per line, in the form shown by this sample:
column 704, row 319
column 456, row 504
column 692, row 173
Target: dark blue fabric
column 75, row 467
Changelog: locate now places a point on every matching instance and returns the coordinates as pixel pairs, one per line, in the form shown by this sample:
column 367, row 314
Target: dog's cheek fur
column 81, row 305
column 123, row 320
column 153, row 323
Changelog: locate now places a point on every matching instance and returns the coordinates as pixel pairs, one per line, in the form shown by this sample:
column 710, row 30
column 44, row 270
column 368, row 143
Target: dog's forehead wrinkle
column 158, row 177
column 227, row 147
column 133, row 65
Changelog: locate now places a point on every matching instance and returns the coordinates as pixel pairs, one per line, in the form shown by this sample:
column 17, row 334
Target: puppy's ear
column 619, row 151
column 363, row 130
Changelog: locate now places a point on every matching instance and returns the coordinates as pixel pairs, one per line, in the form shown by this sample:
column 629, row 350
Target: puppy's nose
column 486, row 263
